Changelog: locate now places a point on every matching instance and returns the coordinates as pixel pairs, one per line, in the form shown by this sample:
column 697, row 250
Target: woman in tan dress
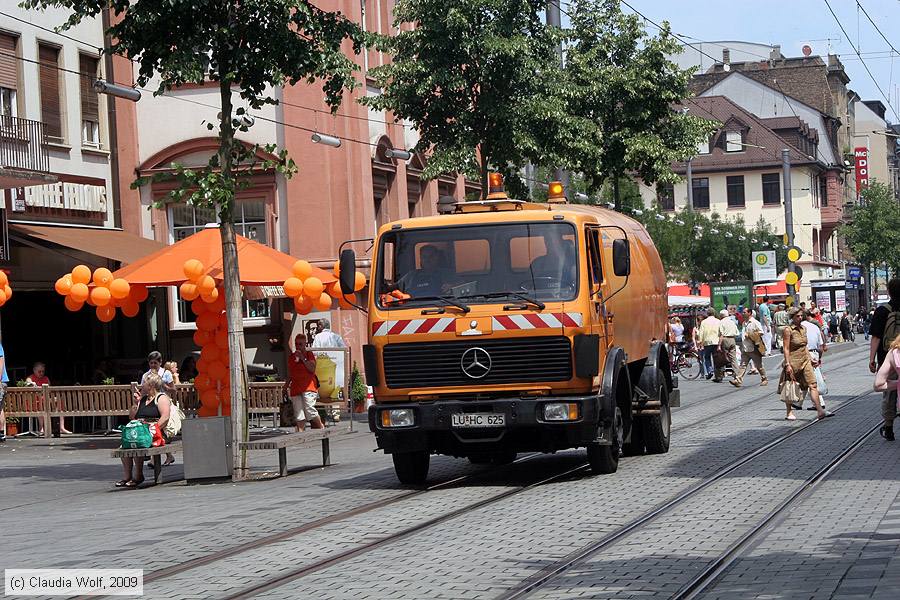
column 798, row 363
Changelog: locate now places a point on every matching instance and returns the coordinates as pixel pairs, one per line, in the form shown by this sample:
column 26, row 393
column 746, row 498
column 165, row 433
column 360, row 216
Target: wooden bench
column 151, row 453
column 283, row 442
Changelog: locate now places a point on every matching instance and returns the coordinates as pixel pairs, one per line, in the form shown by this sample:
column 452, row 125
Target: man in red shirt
column 303, row 385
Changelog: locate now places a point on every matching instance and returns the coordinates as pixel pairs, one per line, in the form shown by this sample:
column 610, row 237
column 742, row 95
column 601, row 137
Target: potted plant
column 358, row 389
column 12, row 426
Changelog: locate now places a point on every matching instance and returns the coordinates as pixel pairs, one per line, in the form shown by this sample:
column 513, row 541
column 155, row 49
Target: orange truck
column 507, row 327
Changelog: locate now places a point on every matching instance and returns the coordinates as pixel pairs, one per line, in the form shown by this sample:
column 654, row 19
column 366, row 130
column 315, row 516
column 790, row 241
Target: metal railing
column 22, row 145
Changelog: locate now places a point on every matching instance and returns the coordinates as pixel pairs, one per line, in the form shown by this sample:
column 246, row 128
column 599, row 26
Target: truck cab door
column 600, row 324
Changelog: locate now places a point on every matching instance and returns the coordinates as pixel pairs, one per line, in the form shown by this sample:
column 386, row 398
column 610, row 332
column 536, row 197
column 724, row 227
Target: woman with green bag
column 150, row 407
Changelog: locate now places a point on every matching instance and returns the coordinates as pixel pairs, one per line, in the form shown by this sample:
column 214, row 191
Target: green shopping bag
column 136, row 435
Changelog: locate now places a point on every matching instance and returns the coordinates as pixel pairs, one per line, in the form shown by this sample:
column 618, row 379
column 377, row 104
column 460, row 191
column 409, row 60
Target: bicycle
column 686, row 362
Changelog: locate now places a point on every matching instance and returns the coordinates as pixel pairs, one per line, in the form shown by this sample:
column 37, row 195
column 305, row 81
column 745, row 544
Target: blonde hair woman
column 886, row 380
column 151, row 407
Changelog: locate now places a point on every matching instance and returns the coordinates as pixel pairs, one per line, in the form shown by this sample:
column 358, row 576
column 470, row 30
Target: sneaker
column 887, row 433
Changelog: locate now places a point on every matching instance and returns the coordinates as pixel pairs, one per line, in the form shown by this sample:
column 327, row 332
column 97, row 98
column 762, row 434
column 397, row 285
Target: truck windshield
column 479, row 264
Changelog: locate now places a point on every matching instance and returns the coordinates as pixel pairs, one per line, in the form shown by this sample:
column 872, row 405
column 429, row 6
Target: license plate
column 478, row 420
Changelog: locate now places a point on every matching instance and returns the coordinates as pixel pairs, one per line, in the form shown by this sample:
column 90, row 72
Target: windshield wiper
column 448, row 300
column 524, row 298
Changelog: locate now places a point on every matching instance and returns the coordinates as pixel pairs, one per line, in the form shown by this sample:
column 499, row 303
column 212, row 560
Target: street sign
column 764, row 266
column 794, row 253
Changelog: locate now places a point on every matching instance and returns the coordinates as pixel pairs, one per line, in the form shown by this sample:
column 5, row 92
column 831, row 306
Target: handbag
column 156, row 435
column 720, row 358
column 136, row 434
column 176, row 416
column 820, row 381
column 286, row 412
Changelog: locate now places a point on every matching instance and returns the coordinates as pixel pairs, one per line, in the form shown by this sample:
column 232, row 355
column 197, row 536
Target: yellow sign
column 761, row 258
column 789, row 300
column 794, row 253
column 791, row 278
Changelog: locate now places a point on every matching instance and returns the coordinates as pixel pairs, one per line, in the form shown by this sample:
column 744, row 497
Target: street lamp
column 119, row 91
column 400, row 154
column 326, row 140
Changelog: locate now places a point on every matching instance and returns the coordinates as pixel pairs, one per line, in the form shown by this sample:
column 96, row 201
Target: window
column 90, row 105
column 700, row 192
column 823, row 191
column 735, row 185
column 51, row 103
column 665, row 196
column 733, row 141
column 771, row 188
column 703, row 147
column 9, row 80
column 249, row 221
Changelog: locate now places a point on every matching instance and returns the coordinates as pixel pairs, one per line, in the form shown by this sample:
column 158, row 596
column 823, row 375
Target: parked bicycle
column 685, row 361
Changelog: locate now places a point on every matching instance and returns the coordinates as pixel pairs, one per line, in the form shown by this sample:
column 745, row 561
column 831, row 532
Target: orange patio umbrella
column 258, row 264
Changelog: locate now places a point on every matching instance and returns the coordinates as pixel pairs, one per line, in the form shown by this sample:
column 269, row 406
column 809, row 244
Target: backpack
column 176, row 416
column 891, row 330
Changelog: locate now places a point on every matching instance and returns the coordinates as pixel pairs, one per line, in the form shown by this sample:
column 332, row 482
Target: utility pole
column 690, row 185
column 554, row 19
column 788, row 216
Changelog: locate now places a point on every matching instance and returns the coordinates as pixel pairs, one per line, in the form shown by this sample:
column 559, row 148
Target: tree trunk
column 231, row 281
column 484, row 173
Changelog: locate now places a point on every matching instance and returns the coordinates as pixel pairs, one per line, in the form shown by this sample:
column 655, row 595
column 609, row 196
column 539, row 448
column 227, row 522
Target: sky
column 793, row 23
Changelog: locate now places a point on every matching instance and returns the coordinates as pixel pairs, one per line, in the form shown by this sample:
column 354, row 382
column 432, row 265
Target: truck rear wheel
column 411, row 467
column 604, row 458
column 656, row 428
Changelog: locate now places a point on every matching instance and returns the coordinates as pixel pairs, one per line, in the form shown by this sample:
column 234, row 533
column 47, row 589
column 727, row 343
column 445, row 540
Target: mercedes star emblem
column 476, row 362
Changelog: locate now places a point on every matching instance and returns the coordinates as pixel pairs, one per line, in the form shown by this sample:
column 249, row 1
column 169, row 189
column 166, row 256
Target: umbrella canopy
column 258, row 264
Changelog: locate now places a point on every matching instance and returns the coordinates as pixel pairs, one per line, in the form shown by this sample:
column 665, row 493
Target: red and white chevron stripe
column 537, row 321
column 412, row 326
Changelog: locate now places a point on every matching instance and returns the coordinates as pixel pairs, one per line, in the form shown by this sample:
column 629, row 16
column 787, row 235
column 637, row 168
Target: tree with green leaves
column 251, row 47
column 621, row 95
column 873, row 230
column 473, row 77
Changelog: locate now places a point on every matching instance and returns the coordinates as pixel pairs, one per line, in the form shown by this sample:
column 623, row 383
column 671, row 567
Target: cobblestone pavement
column 59, row 497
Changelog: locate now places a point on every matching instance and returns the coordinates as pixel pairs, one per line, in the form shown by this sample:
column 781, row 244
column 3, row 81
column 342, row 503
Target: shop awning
column 113, row 244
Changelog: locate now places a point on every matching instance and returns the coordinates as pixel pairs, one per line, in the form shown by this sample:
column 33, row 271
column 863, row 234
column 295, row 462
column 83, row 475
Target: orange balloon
column 188, row 291
column 333, row 289
column 131, row 308
column 72, row 305
column 198, row 307
column 89, row 301
column 223, row 322
column 4, row 280
column 81, row 274
column 63, row 284
column 312, row 287
column 221, row 339
column 293, row 287
column 208, row 411
column 202, row 337
column 323, row 302
column 193, row 269
column 217, row 369
column 359, row 282
column 336, row 269
column 2, row 297
column 218, row 305
column 210, row 352
column 8, row 290
column 206, row 284
column 202, row 383
column 209, row 398
column 302, row 269
column 106, row 313
column 344, row 303
column 100, row 296
column 202, row 366
column 103, row 277
column 303, row 305
column 210, row 297
column 139, row 293
column 207, row 321
column 79, row 292
column 119, row 288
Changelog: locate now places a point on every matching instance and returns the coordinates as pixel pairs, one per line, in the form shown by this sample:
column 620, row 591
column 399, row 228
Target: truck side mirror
column 348, row 271
column 621, row 258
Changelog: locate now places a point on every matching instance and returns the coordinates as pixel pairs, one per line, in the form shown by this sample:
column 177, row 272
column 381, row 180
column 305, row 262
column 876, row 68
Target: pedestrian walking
column 708, row 336
column 765, row 319
column 326, row 338
column 884, row 330
column 728, row 333
column 303, row 385
column 780, row 320
column 816, row 344
column 886, row 381
column 798, row 365
column 844, row 326
column 752, row 350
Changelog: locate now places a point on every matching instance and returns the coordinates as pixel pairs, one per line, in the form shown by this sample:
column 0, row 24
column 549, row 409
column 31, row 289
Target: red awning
column 685, row 290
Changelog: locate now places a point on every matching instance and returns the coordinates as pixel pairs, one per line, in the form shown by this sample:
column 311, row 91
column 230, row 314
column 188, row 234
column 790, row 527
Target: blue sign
column 854, row 274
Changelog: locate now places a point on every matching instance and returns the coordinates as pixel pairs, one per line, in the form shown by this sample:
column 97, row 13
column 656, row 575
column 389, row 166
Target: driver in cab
column 432, row 279
column 558, row 267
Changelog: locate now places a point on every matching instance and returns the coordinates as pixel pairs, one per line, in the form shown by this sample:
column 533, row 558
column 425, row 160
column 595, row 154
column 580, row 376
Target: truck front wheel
column 604, row 458
column 656, row 428
column 411, row 467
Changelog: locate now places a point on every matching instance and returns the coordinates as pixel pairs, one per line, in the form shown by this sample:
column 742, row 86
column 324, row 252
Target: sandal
column 122, row 482
column 169, row 462
column 134, row 483
column 790, row 418
column 825, row 415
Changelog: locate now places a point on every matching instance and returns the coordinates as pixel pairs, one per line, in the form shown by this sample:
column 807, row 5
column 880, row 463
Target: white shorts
column 305, row 406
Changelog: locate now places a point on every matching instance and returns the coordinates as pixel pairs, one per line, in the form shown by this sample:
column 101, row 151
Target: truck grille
column 439, row 364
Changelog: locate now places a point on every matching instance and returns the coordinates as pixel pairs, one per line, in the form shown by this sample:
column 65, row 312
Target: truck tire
column 604, row 458
column 411, row 467
column 479, row 459
column 657, row 428
column 635, row 446
column 504, row 458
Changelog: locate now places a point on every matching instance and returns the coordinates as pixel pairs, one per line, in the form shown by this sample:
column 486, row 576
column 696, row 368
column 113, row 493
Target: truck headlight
column 398, row 417
column 561, row 411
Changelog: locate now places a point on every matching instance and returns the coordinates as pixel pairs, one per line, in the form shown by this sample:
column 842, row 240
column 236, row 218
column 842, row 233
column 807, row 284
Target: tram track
column 328, row 561
column 543, row 577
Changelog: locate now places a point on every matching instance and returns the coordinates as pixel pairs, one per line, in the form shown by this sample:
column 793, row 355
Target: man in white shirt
column 753, row 332
column 154, row 361
column 728, row 333
column 815, row 343
column 326, row 338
